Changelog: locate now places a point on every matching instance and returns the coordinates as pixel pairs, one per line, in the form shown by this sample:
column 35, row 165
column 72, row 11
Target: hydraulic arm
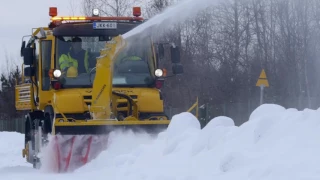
column 102, row 86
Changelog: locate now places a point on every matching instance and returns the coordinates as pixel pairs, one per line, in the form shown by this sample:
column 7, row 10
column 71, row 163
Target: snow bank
column 275, row 143
column 11, row 149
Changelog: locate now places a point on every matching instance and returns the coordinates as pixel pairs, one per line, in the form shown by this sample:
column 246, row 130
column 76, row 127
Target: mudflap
column 74, row 151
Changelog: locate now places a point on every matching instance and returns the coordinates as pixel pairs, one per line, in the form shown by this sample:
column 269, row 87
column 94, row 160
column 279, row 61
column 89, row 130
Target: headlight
column 56, row 73
column 95, row 12
column 158, row 72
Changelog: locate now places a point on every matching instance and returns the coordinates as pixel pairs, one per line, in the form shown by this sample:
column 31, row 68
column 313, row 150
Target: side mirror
column 177, row 68
column 23, row 45
column 29, row 71
column 175, row 54
column 161, row 51
column 28, row 56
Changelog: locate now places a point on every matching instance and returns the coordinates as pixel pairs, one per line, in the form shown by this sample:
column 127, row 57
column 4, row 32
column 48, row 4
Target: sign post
column 262, row 83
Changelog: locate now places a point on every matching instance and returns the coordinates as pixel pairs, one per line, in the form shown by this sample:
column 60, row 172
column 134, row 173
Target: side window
column 37, row 49
column 46, row 63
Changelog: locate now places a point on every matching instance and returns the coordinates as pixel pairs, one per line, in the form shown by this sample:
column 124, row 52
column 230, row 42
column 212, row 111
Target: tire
column 48, row 115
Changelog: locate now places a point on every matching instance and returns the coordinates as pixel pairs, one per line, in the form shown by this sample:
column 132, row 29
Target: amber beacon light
column 136, row 11
column 53, row 11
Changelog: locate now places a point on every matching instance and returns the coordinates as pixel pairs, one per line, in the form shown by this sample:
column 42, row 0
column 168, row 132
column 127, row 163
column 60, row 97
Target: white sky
column 18, row 17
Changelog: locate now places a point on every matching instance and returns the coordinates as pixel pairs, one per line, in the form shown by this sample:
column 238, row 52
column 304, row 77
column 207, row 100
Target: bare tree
column 110, row 7
column 72, row 7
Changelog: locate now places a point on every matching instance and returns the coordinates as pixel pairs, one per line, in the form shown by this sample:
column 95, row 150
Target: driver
column 76, row 57
column 129, row 54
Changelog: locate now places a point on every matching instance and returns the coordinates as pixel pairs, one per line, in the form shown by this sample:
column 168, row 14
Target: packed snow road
column 275, row 143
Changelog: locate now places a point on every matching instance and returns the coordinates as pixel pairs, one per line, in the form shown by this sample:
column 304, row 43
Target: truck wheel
column 47, row 123
column 46, row 128
column 48, row 111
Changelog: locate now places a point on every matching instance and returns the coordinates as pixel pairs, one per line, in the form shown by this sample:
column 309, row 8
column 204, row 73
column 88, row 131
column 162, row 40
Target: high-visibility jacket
column 66, row 61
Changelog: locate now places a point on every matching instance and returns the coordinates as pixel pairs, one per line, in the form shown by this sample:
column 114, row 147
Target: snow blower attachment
column 79, row 101
column 71, row 151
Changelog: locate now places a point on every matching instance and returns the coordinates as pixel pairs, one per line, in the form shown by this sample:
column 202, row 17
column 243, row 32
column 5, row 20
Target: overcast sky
column 18, row 19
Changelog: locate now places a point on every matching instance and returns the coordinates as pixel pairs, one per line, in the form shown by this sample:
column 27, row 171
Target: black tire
column 48, row 111
column 47, row 123
column 27, row 129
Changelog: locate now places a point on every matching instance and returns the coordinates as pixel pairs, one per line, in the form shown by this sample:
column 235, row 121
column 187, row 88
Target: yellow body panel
column 70, row 100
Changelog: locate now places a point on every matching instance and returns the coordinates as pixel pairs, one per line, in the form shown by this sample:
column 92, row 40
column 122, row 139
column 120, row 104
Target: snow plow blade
column 77, row 143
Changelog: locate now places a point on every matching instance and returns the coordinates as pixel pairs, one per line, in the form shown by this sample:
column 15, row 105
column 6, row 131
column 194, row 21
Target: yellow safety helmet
column 72, row 72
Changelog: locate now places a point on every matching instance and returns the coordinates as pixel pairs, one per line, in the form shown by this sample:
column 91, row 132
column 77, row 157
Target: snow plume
column 172, row 15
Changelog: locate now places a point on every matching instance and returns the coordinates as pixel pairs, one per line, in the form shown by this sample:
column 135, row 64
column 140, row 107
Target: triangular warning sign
column 263, row 75
column 263, row 81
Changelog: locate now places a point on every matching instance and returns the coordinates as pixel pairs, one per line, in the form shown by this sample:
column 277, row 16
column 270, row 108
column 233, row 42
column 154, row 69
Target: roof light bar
column 67, row 18
column 97, row 18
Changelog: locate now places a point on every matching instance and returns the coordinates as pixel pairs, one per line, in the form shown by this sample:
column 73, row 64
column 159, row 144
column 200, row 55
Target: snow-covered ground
column 276, row 143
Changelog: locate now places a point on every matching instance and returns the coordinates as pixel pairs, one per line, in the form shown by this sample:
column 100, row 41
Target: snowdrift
column 275, row 143
column 11, row 150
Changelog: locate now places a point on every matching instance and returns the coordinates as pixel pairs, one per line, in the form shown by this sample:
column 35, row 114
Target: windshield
column 76, row 58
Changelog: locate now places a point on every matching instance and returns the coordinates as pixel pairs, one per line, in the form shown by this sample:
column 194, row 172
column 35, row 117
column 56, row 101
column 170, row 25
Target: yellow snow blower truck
column 82, row 80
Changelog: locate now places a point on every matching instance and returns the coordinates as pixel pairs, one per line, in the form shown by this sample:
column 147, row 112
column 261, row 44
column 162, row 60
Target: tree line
column 225, row 47
column 8, row 81
column 223, row 50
